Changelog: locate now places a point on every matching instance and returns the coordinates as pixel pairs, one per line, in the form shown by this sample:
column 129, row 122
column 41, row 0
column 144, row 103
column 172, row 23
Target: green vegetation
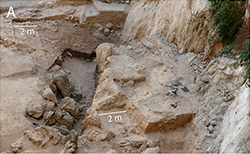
column 228, row 20
column 245, row 59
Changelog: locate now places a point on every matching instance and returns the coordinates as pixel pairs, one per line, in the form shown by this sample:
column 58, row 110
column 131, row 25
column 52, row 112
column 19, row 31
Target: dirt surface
column 83, row 77
column 115, row 76
column 41, row 46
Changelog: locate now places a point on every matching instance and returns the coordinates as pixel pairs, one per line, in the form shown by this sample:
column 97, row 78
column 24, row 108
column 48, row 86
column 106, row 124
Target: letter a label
column 11, row 11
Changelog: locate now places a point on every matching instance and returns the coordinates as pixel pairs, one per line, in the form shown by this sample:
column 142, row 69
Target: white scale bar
column 25, row 26
column 111, row 113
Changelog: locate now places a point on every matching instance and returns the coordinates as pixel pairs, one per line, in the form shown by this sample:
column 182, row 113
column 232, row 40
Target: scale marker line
column 111, row 113
column 25, row 26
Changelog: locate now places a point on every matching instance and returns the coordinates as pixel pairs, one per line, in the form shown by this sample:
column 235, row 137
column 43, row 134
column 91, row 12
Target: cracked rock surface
column 119, row 76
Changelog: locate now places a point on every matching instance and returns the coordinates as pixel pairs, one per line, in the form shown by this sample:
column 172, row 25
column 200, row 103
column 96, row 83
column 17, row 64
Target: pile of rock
column 39, row 136
column 227, row 96
column 117, row 1
column 60, row 109
column 138, row 144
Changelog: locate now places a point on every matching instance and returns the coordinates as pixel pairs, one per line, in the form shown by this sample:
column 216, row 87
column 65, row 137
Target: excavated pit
column 80, row 69
column 59, row 43
column 68, row 53
column 151, row 97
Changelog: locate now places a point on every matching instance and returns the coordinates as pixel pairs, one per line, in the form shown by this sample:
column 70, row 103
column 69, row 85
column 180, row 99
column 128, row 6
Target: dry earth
column 119, row 77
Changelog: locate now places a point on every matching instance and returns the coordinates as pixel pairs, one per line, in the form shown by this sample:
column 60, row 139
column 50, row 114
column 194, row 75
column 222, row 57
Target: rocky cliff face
column 140, row 78
column 187, row 24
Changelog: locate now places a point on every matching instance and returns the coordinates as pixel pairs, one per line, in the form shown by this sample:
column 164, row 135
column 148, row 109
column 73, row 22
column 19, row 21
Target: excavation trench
column 68, row 49
column 62, row 48
column 80, row 70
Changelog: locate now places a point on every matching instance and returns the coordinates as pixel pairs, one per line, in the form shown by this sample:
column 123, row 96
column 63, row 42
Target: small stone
column 108, row 1
column 110, row 135
column 211, row 136
column 127, row 2
column 49, row 4
column 98, row 27
column 230, row 97
column 213, row 123
column 16, row 146
column 206, row 123
column 150, row 143
column 49, row 117
column 125, row 144
column 210, row 129
column 136, row 141
column 152, row 150
column 129, row 47
column 106, row 31
column 224, row 99
column 41, row 4
column 109, row 25
column 175, row 87
column 205, row 79
column 36, row 109
column 111, row 151
column 71, row 11
column 134, row 131
column 130, row 83
column 63, row 130
column 69, row 54
column 142, row 148
column 48, row 94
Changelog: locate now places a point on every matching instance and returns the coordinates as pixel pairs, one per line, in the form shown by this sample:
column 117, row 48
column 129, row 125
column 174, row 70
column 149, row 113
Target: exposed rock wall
column 187, row 24
column 236, row 125
column 157, row 92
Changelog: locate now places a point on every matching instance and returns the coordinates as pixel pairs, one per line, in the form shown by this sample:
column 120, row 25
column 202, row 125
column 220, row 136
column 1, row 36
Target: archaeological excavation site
column 124, row 76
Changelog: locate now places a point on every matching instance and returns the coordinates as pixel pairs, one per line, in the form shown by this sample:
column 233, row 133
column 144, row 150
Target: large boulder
column 63, row 84
column 48, row 94
column 64, row 118
column 36, row 109
column 99, row 135
column 49, row 117
column 103, row 51
column 69, row 104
